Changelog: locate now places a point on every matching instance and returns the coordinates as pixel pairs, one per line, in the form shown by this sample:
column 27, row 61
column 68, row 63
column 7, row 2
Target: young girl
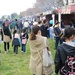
column 24, row 37
column 15, row 41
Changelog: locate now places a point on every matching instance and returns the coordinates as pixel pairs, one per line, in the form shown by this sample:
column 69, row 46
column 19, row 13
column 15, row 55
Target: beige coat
column 36, row 65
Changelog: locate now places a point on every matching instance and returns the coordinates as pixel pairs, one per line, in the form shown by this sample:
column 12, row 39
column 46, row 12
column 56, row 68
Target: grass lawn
column 18, row 64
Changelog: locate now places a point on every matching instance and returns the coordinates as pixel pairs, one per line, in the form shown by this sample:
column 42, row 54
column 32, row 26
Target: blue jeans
column 57, row 41
column 24, row 47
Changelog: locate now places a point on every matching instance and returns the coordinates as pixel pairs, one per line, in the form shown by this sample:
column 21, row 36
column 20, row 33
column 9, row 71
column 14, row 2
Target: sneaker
column 5, row 52
column 22, row 51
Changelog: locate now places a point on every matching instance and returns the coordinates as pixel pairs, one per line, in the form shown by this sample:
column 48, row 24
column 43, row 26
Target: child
column 15, row 41
column 24, row 37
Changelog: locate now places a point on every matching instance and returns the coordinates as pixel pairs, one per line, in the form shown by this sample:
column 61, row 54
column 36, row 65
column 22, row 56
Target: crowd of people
column 18, row 31
column 17, row 38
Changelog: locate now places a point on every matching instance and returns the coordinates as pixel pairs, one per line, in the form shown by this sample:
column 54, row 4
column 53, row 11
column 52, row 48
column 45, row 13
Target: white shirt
column 16, row 36
column 26, row 24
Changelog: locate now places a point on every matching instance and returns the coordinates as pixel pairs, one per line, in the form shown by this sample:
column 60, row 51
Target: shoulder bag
column 47, row 56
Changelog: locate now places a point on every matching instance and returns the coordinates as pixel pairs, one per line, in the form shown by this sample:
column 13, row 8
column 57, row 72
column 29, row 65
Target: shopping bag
column 47, row 58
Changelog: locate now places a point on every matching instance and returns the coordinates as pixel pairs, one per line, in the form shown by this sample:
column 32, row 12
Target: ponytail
column 32, row 36
column 35, row 30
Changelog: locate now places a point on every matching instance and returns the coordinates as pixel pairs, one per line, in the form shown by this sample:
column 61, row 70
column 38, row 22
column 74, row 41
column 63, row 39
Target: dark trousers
column 24, row 47
column 57, row 41
column 6, row 46
column 16, row 49
column 26, row 29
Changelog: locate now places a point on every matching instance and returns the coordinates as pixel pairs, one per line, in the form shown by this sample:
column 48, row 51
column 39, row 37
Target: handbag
column 6, row 38
column 47, row 56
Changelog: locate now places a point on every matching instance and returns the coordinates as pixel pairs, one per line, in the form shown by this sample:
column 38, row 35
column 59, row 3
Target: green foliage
column 15, row 16
column 18, row 64
column 3, row 17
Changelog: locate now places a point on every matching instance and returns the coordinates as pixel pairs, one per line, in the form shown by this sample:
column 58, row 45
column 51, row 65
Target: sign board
column 66, row 10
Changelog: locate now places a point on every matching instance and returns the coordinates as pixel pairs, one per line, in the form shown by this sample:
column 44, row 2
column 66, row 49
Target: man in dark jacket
column 58, row 34
column 44, row 28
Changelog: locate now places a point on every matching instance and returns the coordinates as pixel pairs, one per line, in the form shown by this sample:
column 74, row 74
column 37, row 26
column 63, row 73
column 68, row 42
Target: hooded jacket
column 64, row 50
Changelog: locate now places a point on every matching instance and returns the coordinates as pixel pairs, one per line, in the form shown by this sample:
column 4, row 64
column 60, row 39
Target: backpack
column 69, row 67
column 24, row 37
column 23, row 40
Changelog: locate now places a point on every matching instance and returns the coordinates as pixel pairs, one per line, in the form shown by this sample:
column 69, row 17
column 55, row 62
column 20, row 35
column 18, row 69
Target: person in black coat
column 67, row 48
column 44, row 28
column 58, row 34
column 6, row 37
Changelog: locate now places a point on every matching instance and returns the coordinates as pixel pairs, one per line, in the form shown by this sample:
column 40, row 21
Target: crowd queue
column 19, row 31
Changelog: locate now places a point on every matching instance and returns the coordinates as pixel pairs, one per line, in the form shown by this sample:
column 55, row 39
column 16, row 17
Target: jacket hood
column 69, row 48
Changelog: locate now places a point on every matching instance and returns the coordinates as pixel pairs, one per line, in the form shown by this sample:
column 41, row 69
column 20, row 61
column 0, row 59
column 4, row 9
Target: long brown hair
column 34, row 31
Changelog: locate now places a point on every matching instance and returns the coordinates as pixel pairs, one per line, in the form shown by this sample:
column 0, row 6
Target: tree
column 46, row 5
column 14, row 16
column 43, row 6
column 3, row 17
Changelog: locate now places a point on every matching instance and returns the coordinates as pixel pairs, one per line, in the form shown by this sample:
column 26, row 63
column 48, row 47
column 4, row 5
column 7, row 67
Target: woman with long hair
column 37, row 45
column 6, row 37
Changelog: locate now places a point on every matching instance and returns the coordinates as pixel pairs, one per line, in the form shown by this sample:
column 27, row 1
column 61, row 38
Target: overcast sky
column 10, row 6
